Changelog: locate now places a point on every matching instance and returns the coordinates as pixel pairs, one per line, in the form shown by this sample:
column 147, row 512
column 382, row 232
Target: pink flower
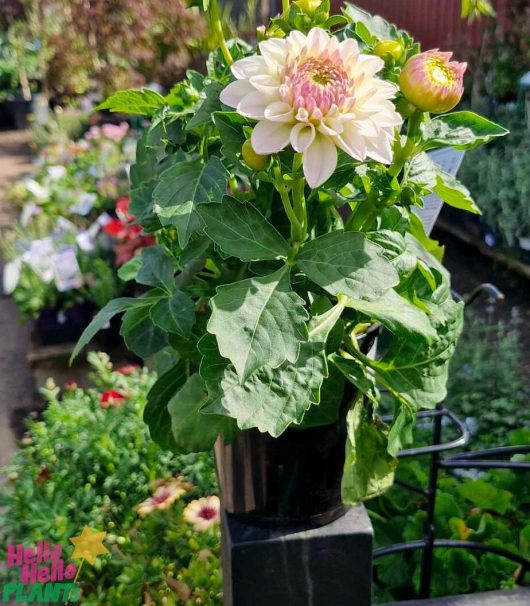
column 316, row 94
column 432, row 82
column 203, row 513
column 111, row 397
column 128, row 369
column 166, row 492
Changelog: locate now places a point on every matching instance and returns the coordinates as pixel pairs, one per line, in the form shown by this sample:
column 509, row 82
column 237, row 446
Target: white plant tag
column 39, row 258
column 11, row 275
column 66, row 271
column 449, row 160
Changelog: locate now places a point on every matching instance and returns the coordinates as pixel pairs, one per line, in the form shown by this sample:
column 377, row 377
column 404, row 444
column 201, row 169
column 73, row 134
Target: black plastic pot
column 19, row 109
column 291, row 480
column 63, row 326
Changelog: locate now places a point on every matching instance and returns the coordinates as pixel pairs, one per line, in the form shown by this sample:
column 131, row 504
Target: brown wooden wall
column 434, row 23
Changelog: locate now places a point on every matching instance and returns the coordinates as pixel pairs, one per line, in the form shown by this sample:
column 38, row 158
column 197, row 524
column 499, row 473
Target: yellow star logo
column 89, row 544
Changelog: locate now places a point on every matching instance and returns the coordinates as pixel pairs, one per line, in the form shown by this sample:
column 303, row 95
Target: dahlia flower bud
column 432, row 82
column 308, row 6
column 388, row 47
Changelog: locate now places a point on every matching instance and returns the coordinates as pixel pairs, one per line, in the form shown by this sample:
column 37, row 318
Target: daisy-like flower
column 432, row 82
column 203, row 513
column 166, row 492
column 317, row 94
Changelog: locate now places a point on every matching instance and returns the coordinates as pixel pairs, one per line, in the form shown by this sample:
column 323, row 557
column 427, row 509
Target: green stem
column 404, row 153
column 361, row 216
column 283, row 190
column 217, row 28
column 285, row 6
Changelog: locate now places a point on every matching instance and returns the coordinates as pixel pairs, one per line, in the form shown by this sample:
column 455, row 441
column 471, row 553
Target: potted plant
column 281, row 190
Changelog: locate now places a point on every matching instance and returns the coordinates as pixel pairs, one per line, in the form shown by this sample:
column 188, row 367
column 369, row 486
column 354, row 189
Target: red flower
column 70, row 385
column 122, row 208
column 114, row 228
column 128, row 369
column 111, row 397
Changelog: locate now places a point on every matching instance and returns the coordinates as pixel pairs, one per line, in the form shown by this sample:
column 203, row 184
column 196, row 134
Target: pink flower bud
column 432, row 82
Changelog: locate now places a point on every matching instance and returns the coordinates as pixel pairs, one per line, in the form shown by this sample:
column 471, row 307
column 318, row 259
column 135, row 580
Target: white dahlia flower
column 315, row 93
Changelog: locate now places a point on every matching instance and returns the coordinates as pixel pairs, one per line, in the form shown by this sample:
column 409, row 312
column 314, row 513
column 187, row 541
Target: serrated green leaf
column 462, row 130
column 259, row 321
column 368, row 468
column 192, row 430
column 129, row 270
column 156, row 269
column 182, row 187
column 103, row 317
column 140, row 334
column 230, row 126
column 422, row 170
column 397, row 314
column 347, row 263
column 156, row 414
column 274, row 398
column 174, row 314
column 241, row 231
column 209, row 105
column 144, row 101
column 454, row 193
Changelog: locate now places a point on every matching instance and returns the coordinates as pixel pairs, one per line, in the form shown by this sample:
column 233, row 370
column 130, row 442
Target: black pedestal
column 326, row 566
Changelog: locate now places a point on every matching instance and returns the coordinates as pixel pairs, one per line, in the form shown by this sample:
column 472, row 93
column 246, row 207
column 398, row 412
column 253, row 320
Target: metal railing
column 489, row 458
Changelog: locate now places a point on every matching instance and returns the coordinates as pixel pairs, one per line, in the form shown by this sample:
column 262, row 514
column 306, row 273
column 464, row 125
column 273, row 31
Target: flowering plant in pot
column 281, row 189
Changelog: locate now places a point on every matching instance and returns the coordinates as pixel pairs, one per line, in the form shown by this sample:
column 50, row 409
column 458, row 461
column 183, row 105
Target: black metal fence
column 491, row 458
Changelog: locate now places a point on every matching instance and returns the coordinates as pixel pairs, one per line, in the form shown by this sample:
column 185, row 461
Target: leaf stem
column 285, row 6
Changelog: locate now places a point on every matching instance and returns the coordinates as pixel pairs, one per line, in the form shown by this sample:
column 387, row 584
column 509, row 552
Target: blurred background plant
column 90, row 460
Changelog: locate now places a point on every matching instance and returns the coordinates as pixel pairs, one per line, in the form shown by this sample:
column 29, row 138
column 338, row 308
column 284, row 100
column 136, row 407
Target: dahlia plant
column 281, row 188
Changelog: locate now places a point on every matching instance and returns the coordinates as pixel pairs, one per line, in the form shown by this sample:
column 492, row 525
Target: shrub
column 499, row 176
column 90, row 461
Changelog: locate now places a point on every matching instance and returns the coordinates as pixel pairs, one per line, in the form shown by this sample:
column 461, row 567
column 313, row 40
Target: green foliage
column 492, row 509
column 486, row 383
column 499, row 176
column 281, row 285
column 85, row 464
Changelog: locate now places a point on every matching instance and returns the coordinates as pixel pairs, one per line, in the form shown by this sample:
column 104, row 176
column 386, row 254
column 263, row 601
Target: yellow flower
column 203, row 513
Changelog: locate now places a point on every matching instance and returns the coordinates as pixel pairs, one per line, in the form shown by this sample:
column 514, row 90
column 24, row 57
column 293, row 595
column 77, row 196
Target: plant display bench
column 515, row 597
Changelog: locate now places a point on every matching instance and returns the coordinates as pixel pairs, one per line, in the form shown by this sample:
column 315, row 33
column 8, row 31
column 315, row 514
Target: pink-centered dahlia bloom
column 432, row 82
column 317, row 94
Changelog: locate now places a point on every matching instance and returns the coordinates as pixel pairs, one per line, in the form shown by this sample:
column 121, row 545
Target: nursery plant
column 281, row 188
column 89, row 460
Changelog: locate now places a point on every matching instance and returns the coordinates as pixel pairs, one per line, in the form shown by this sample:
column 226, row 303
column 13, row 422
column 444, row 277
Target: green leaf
column 210, row 105
column 346, row 263
column 368, row 469
column 242, row 231
column 482, row 494
column 462, row 130
column 102, row 318
column 129, row 270
column 174, row 314
column 377, row 27
column 230, row 126
column 182, row 187
column 259, row 321
column 358, row 375
column 274, row 398
column 156, row 269
column 192, row 430
column 140, row 334
column 401, row 432
column 397, row 314
column 422, row 170
column 144, row 102
column 454, row 193
column 156, row 414
column 414, row 369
